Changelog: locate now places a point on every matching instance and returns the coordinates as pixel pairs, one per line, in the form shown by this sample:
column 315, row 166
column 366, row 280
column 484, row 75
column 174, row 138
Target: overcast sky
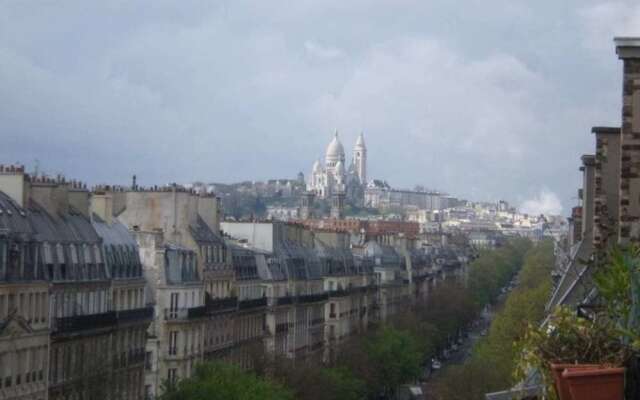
column 479, row 98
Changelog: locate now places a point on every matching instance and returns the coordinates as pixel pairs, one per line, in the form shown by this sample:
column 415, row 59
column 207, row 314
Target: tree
column 343, row 384
column 498, row 350
column 220, row 381
column 397, row 357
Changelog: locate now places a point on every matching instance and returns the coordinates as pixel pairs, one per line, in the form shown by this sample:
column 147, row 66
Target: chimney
column 78, row 197
column 607, row 185
column 102, row 205
column 50, row 193
column 628, row 50
column 208, row 209
column 12, row 183
column 588, row 192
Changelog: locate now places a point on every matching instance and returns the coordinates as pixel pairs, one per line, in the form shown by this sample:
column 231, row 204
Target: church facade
column 334, row 177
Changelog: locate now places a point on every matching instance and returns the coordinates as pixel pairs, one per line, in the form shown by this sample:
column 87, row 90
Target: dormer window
column 62, row 262
column 3, row 259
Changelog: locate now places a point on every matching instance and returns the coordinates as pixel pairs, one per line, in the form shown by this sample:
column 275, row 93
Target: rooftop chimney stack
column 628, row 50
column 588, row 194
column 607, row 186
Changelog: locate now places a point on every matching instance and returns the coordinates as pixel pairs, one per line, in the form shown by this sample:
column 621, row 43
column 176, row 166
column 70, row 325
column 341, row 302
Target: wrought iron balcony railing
column 253, row 303
column 84, row 322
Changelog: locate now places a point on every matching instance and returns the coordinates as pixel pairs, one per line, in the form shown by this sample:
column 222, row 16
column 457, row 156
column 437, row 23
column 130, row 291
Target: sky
column 482, row 99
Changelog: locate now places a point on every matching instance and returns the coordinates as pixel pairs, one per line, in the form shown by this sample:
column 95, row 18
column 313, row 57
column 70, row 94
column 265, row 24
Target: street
column 461, row 355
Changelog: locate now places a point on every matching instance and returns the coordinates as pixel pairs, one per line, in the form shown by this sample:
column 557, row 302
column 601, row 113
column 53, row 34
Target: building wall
column 629, row 52
column 607, row 184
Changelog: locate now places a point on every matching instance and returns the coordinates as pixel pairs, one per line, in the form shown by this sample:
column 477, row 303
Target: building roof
column 335, row 150
column 115, row 233
column 13, row 218
column 360, row 142
column 202, row 233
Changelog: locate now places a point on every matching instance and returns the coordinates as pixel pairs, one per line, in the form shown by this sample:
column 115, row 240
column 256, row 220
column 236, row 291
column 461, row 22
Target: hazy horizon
column 481, row 100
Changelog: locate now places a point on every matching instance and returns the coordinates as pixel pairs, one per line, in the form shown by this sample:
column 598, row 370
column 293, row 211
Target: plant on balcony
column 570, row 342
column 618, row 283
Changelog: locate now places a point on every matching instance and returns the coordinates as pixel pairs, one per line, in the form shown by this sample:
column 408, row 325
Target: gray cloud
column 482, row 99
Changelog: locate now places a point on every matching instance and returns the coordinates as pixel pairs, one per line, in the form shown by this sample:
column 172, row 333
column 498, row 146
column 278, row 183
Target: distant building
column 334, row 176
column 378, row 194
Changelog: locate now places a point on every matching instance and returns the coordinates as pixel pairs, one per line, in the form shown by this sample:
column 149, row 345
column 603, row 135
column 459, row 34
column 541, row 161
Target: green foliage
column 343, row 385
column 220, row 381
column 383, row 360
column 525, row 304
column 396, row 355
column 618, row 283
column 568, row 339
column 493, row 270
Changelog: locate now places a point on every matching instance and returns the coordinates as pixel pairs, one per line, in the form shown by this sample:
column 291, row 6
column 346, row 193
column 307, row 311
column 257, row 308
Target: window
column 148, row 360
column 3, row 261
column 173, row 342
column 148, row 394
column 30, row 307
column 173, row 305
column 635, row 113
column 171, row 376
column 62, row 272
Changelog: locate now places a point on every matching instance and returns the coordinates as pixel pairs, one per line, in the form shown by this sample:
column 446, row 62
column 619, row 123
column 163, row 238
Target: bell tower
column 360, row 159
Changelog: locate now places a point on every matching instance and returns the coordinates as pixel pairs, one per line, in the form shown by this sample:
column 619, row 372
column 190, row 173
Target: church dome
column 335, row 151
column 316, row 166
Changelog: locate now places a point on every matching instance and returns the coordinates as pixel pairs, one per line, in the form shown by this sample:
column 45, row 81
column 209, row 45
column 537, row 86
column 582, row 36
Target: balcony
column 220, row 305
column 281, row 301
column 339, row 293
column 177, row 314
column 313, row 298
column 136, row 315
column 84, row 322
column 253, row 303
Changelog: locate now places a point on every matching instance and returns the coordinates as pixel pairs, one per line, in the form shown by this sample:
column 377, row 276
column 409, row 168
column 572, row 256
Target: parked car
column 435, row 364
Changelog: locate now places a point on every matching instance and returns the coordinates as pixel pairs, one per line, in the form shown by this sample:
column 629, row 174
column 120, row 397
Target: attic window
column 48, row 259
column 74, row 254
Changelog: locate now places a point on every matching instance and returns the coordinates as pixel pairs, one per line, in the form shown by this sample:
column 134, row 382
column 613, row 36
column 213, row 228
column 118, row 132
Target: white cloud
column 240, row 90
column 607, row 19
column 317, row 50
column 545, row 202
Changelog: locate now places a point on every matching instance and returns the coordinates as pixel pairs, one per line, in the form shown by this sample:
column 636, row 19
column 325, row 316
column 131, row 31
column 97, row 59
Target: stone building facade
column 79, row 344
column 115, row 292
column 628, row 50
column 607, row 185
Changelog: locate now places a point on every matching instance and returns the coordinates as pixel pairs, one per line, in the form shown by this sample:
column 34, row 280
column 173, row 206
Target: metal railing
column 253, row 303
column 217, row 305
column 134, row 315
column 172, row 314
column 84, row 322
column 313, row 298
column 281, row 301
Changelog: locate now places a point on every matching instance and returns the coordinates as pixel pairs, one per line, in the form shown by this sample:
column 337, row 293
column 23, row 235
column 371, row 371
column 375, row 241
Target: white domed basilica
column 334, row 177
